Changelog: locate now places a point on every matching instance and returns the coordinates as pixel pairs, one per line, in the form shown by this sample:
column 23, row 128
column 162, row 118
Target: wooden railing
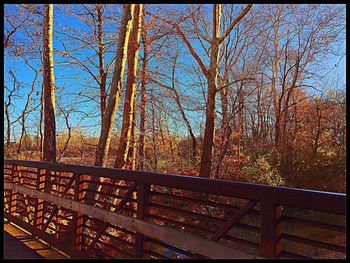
column 74, row 208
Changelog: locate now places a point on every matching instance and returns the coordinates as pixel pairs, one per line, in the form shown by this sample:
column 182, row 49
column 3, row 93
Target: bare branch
column 235, row 22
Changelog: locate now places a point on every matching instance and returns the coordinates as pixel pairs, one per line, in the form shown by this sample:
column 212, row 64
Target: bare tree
column 211, row 77
column 8, row 103
column 116, row 86
column 128, row 115
column 49, row 151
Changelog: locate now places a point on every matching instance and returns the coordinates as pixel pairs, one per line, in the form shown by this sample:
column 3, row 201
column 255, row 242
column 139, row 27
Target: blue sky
column 71, row 79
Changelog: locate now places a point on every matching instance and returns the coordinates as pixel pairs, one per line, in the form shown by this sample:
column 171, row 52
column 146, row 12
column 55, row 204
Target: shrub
column 262, row 172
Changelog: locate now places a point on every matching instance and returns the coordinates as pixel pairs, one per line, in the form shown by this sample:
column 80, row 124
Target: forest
column 243, row 92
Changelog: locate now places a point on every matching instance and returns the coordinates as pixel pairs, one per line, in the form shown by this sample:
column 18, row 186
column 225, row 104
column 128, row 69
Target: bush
column 262, row 172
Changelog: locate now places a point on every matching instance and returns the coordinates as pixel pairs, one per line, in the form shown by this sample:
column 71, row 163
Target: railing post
column 143, row 191
column 270, row 246
column 39, row 203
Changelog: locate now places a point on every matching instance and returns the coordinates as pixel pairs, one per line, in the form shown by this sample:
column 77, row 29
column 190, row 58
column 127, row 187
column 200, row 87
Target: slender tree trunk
column 209, row 132
column 132, row 150
column 101, row 52
column 133, row 50
column 116, row 86
column 23, row 131
column 143, row 101
column 274, row 91
column 318, row 133
column 178, row 102
column 7, row 105
column 155, row 151
column 8, row 139
column 41, row 123
column 49, row 153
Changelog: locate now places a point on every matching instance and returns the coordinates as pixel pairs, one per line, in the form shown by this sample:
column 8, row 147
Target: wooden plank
column 38, row 246
column 314, row 243
column 198, row 245
column 63, row 246
column 312, row 223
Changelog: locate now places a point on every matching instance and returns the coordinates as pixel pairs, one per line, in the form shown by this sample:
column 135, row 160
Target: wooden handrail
column 268, row 207
column 328, row 202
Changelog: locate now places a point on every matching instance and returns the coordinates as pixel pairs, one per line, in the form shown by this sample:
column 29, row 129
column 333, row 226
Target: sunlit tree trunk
column 133, row 50
column 49, row 152
column 116, row 86
column 132, row 149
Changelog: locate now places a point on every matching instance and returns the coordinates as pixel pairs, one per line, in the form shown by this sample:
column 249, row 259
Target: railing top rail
column 329, row 202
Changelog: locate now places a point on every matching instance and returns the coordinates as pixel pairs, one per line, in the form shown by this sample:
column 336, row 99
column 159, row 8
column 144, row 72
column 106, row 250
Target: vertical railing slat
column 39, row 203
column 142, row 204
column 270, row 246
column 13, row 197
column 78, row 218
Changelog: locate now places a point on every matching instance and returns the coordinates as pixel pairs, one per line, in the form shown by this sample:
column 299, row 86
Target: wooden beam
column 190, row 242
column 233, row 220
column 131, row 189
column 55, row 207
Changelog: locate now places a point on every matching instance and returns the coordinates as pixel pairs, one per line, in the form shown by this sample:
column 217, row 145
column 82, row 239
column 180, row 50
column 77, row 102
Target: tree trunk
column 23, row 115
column 103, row 74
column 133, row 50
column 132, row 150
column 143, row 101
column 49, row 152
column 155, row 150
column 7, row 113
column 209, row 132
column 116, row 86
column 178, row 102
column 41, row 123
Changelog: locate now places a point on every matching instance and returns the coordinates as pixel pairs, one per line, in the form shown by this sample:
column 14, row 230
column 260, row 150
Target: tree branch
column 235, row 22
column 185, row 40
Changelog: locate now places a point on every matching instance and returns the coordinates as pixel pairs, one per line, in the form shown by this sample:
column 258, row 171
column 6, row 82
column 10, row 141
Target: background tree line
column 234, row 92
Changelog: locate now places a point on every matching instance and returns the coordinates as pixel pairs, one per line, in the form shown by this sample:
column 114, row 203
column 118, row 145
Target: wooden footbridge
column 93, row 212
